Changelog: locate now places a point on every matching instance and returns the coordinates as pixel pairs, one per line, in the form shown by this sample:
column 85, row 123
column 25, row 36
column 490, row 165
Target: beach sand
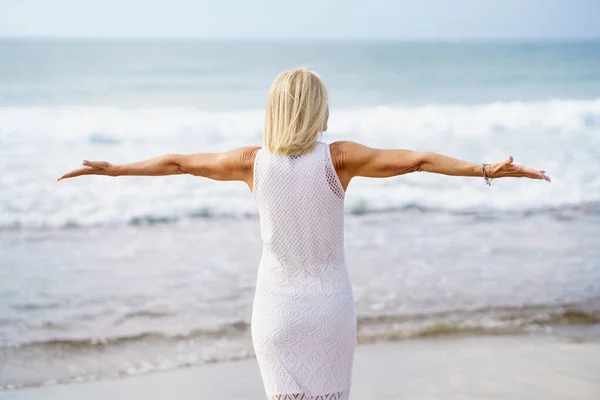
column 493, row 367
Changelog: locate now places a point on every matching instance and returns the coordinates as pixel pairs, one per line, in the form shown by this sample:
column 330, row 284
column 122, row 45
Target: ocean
column 108, row 277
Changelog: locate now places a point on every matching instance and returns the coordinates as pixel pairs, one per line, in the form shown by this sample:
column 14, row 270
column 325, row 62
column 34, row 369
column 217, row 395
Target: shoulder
column 346, row 153
column 239, row 163
column 242, row 157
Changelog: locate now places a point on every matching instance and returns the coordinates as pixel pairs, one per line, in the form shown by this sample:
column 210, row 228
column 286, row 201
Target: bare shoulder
column 346, row 153
column 346, row 156
column 245, row 156
column 238, row 164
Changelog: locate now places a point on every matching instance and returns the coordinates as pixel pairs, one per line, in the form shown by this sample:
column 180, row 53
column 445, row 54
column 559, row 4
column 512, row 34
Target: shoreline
column 527, row 367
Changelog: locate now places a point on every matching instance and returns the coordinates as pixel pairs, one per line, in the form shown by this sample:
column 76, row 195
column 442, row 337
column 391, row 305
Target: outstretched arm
column 236, row 164
column 353, row 159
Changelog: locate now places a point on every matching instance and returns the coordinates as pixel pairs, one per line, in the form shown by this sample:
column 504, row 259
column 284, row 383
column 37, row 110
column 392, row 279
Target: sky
column 303, row 19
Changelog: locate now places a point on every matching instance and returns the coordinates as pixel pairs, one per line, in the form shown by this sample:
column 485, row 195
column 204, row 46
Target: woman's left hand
column 506, row 169
column 90, row 168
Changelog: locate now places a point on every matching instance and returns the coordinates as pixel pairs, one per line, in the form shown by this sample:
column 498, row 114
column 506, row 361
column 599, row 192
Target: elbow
column 174, row 165
column 178, row 169
column 422, row 162
column 422, row 166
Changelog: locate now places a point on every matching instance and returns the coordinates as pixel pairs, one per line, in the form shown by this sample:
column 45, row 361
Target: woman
column 303, row 321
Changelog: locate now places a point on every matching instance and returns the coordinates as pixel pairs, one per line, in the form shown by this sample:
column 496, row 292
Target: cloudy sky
column 283, row 19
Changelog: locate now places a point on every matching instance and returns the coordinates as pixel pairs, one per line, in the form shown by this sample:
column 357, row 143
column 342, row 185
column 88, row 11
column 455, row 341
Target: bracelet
column 487, row 178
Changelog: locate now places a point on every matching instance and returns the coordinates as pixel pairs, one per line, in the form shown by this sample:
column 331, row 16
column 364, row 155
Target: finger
column 78, row 172
column 534, row 174
column 509, row 160
column 545, row 177
column 103, row 165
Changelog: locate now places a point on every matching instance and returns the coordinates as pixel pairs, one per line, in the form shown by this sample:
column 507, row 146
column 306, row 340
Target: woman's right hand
column 90, row 168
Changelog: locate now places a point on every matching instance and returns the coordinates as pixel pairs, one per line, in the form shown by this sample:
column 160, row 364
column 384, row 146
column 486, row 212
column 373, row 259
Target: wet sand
column 494, row 367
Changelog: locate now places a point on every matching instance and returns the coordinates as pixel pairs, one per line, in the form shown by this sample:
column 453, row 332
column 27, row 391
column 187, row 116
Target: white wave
column 66, row 123
column 37, row 144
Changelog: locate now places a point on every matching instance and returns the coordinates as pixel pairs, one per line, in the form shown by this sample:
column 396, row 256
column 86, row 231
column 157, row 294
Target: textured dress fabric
column 303, row 322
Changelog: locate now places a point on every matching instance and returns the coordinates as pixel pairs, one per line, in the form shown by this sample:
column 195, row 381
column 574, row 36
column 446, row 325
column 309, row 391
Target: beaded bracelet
column 488, row 180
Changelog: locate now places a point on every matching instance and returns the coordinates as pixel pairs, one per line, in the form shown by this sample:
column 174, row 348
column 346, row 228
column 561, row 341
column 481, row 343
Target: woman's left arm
column 353, row 159
column 236, row 164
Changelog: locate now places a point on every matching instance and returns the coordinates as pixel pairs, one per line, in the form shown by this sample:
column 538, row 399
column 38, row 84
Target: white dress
column 303, row 318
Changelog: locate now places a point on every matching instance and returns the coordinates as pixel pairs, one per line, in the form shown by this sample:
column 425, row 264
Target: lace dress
column 303, row 318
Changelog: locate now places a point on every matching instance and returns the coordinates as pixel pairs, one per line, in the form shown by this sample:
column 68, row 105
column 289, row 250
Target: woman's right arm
column 237, row 164
column 353, row 159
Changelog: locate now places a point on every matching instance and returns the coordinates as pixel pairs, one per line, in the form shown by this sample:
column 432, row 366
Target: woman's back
column 301, row 206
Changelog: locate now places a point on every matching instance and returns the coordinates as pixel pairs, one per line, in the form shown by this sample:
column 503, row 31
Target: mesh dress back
column 303, row 318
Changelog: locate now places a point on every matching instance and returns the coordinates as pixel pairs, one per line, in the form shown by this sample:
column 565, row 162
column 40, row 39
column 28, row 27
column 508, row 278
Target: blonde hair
column 296, row 112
